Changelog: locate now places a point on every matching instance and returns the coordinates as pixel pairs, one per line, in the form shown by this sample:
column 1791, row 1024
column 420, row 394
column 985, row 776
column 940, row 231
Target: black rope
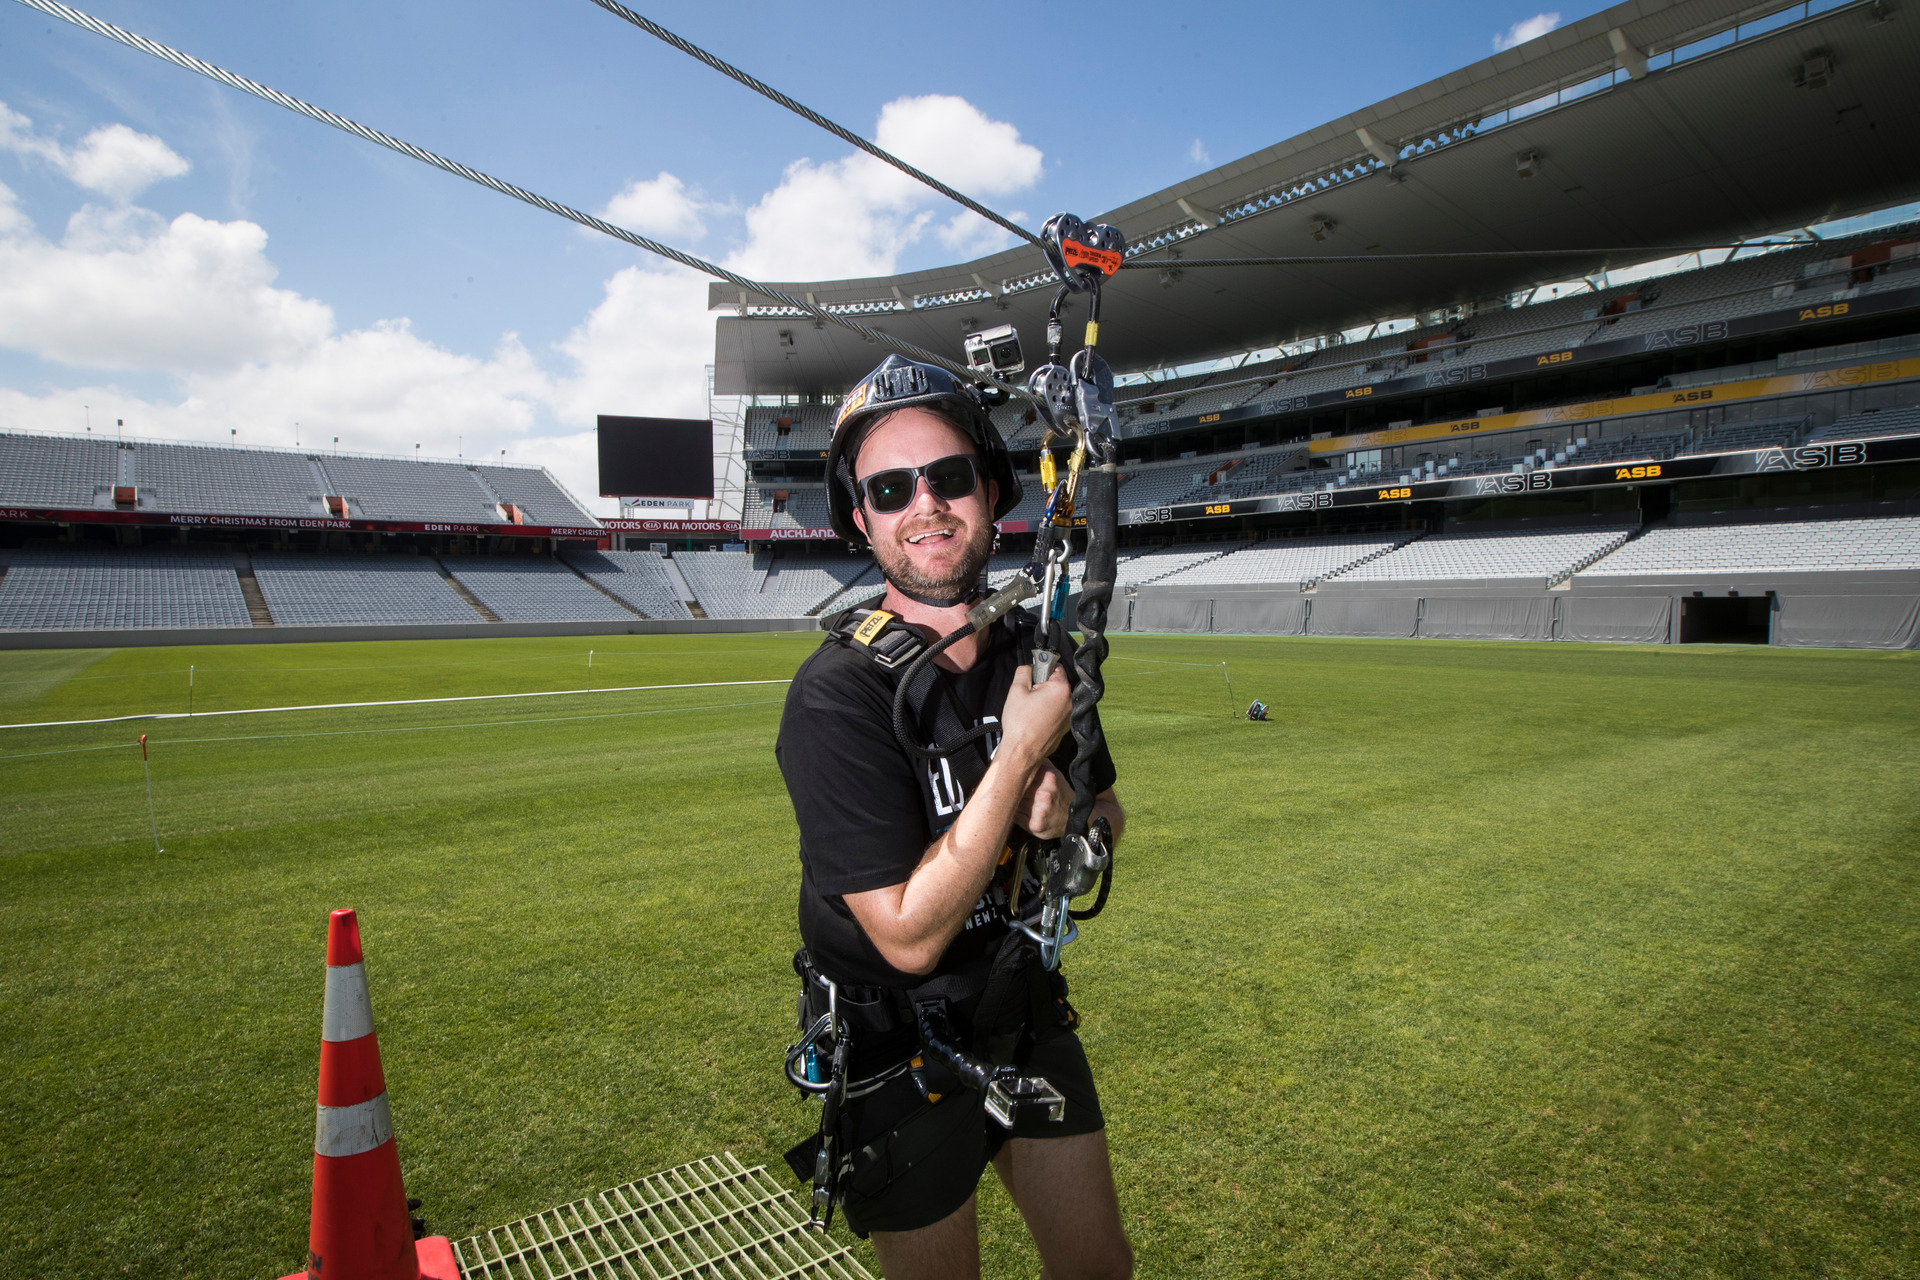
column 166, row 54
column 772, row 94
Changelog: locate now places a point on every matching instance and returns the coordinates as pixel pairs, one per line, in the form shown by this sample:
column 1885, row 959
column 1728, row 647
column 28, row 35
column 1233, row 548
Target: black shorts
column 928, row 1158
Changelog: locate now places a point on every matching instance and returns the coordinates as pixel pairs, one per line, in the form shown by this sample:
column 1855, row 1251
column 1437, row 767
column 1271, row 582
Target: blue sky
column 234, row 268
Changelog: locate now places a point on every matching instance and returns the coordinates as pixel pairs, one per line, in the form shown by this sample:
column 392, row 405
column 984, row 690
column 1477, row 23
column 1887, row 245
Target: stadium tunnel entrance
column 1728, row 619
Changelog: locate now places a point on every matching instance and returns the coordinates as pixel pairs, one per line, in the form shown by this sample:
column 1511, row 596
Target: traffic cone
column 361, row 1227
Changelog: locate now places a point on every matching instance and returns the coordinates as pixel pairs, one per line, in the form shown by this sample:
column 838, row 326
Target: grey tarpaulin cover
column 1262, row 614
column 1626, row 619
column 1364, row 615
column 1154, row 612
column 1848, row 622
column 1488, row 618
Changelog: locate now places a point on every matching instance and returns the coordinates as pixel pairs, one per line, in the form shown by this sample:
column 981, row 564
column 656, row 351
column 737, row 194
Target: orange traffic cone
column 361, row 1227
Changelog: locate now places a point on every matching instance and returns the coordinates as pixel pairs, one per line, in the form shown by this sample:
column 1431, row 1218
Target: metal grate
column 714, row 1217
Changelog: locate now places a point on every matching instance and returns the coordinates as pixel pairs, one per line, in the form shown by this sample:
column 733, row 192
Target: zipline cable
column 166, row 54
column 1311, row 260
column 767, row 91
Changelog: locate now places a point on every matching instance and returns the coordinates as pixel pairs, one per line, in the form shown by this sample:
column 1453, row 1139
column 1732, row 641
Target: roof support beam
column 1379, row 150
column 1629, row 59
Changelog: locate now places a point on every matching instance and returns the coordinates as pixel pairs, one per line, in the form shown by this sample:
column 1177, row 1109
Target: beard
column 897, row 564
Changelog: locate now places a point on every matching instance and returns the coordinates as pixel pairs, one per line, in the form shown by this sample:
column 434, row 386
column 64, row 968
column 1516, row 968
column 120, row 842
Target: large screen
column 656, row 457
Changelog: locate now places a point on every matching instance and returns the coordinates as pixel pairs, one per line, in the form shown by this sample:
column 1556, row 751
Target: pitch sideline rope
column 767, row 91
column 405, row 728
column 392, row 702
column 87, row 22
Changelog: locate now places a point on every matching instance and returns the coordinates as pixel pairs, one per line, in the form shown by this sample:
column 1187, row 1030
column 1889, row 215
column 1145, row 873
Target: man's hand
column 912, row 922
column 1043, row 810
column 1034, row 719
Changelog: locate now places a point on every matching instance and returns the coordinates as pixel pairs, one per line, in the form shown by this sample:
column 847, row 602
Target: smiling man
column 910, row 867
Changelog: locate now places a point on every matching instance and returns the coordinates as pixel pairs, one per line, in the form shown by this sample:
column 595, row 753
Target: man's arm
column 911, row 923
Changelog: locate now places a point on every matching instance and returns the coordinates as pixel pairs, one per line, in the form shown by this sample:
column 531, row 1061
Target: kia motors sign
column 672, row 526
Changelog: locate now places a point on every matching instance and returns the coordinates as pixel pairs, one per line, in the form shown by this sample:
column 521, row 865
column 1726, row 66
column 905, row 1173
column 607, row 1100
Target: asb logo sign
column 1812, row 457
column 1514, row 483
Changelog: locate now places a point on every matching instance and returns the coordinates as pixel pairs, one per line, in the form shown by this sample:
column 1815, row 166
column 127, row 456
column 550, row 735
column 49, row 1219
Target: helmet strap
column 935, row 602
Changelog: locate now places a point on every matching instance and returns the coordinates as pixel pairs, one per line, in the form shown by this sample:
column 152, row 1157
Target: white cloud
column 854, row 216
column 123, row 290
column 1524, row 30
column 954, row 141
column 644, row 350
column 195, row 300
column 113, row 159
column 1198, row 153
column 661, row 206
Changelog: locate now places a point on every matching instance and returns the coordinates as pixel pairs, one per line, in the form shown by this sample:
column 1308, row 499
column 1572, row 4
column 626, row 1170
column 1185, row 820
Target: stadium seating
column 539, row 497
column 44, row 471
column 1133, row 566
column 1767, row 433
column 383, row 489
column 805, row 506
column 1870, row 426
column 1136, row 567
column 811, row 428
column 1801, row 546
column 1286, row 560
column 366, row 590
column 78, row 589
column 1162, row 484
column 638, row 577
column 48, row 471
column 737, row 584
column 240, row 481
column 1539, row 557
column 528, row 589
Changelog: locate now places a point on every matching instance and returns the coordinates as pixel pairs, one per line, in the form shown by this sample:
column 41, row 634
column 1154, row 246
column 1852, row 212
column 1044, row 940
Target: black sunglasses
column 949, row 478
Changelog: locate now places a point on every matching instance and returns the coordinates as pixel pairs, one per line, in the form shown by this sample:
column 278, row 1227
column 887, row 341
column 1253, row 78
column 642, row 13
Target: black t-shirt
column 867, row 811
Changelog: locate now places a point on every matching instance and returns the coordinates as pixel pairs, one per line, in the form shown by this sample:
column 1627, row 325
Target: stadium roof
column 1654, row 124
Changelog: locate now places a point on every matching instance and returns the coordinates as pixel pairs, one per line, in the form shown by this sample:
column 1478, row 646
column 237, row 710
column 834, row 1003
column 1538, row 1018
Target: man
column 908, row 865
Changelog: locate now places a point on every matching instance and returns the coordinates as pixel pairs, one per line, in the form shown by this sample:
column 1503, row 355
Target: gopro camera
column 997, row 350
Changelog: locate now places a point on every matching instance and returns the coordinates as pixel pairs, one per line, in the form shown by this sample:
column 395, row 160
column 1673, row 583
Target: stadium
column 1558, row 922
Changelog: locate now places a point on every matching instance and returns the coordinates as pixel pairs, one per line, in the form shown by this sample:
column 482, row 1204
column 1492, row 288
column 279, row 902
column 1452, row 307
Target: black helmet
column 900, row 383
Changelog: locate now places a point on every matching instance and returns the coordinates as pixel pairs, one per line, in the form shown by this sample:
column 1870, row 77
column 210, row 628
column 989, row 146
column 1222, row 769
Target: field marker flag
column 147, row 769
column 361, row 1228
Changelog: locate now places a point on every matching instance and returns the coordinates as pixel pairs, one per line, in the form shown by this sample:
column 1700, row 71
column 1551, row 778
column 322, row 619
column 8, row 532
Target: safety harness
column 1017, row 993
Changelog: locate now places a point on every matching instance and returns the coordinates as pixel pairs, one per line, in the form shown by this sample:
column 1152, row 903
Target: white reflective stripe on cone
column 348, row 1014
column 348, row 1131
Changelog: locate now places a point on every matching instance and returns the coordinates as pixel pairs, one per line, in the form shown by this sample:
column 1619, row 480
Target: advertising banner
column 680, row 528
column 1806, row 457
column 214, row 520
column 787, row 535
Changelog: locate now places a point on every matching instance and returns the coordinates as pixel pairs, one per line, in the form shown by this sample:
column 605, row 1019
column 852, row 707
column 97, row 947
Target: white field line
column 392, row 702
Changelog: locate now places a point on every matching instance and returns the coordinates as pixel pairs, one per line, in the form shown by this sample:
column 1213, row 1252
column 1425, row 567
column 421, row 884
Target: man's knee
column 1116, row 1262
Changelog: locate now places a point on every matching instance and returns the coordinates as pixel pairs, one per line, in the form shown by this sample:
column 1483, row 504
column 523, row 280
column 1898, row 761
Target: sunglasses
column 948, row 478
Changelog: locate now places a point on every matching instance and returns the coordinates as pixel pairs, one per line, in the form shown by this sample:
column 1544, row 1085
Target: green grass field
column 1483, row 959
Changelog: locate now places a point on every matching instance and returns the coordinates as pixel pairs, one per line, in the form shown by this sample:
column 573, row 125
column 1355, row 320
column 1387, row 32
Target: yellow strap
column 875, row 623
column 1093, row 333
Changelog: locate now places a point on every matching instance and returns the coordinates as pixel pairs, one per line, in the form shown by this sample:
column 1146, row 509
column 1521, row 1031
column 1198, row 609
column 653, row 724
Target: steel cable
column 805, row 112
column 1310, row 260
column 166, row 54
